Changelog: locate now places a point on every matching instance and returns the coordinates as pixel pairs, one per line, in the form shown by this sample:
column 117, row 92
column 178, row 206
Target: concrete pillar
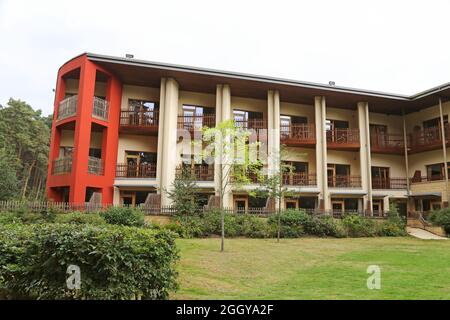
column 159, row 156
column 273, row 131
column 169, row 139
column 364, row 154
column 321, row 153
column 223, row 113
column 386, row 204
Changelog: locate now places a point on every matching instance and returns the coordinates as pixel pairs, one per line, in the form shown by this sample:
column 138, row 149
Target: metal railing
column 428, row 138
column 344, row 181
column 304, row 132
column 196, row 122
column 300, row 179
column 95, row 166
column 389, row 183
column 387, row 143
column 429, row 178
column 198, row 172
column 62, row 166
column 144, row 170
column 343, row 136
column 67, row 107
column 100, row 108
column 139, row 118
column 251, row 124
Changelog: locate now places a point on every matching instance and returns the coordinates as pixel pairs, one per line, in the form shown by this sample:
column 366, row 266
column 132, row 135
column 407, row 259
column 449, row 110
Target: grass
column 313, row 268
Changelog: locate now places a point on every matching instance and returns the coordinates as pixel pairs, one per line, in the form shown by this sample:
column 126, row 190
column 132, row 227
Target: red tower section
column 85, row 131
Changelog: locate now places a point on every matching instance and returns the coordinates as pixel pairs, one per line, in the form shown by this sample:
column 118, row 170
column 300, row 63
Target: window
column 197, row 117
column 95, row 152
column 435, row 122
column 248, row 119
column 65, row 152
column 435, row 171
column 335, row 124
column 145, row 112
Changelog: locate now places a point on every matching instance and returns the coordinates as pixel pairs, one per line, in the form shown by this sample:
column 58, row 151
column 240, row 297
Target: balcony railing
column 196, row 122
column 389, row 183
column 343, row 138
column 344, row 181
column 300, row 179
column 199, row 173
column 298, row 134
column 387, row 143
column 429, row 178
column 67, row 107
column 141, row 119
column 144, row 170
column 62, row 166
column 251, row 124
column 428, row 138
column 95, row 166
column 100, row 108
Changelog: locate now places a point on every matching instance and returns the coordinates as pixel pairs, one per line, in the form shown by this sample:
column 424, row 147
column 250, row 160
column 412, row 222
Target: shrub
column 116, row 262
column 124, row 216
column 9, row 217
column 441, row 218
column 80, row 218
column 358, row 226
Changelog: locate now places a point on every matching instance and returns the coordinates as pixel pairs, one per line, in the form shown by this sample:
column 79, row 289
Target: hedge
column 116, row 262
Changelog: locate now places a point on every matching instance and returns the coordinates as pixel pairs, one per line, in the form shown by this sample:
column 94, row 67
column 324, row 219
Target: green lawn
column 313, row 269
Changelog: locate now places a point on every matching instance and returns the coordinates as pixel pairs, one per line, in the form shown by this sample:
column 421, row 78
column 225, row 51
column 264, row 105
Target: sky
column 392, row 46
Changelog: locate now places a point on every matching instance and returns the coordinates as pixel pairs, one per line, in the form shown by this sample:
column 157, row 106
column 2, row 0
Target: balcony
column 255, row 124
column 343, row 139
column 198, row 173
column 62, row 166
column 344, row 181
column 298, row 135
column 95, row 166
column 387, row 143
column 300, row 179
column 100, row 109
column 139, row 122
column 429, row 178
column 428, row 139
column 196, row 123
column 67, row 107
column 389, row 183
column 144, row 170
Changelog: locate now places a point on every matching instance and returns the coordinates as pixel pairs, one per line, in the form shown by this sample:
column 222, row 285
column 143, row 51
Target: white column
column 386, row 204
column 273, row 131
column 159, row 155
column 364, row 154
column 223, row 113
column 321, row 153
column 169, row 146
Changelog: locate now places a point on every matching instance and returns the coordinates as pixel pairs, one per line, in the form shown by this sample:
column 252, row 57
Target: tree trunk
column 38, row 190
column 25, row 184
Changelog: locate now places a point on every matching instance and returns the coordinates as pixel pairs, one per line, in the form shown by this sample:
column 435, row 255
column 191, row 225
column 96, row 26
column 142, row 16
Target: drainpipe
column 405, row 142
column 444, row 152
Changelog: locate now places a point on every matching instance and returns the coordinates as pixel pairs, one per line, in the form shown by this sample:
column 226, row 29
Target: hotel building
column 115, row 136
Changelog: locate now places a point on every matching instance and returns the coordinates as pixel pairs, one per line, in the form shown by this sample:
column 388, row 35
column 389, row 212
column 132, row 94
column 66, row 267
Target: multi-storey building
column 115, row 136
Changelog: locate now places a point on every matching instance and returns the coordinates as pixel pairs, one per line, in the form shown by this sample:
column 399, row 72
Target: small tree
column 272, row 185
column 182, row 193
column 224, row 142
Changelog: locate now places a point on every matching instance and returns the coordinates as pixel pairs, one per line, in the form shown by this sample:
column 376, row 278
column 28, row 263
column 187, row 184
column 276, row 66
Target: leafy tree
column 24, row 137
column 272, row 185
column 182, row 193
column 228, row 146
column 8, row 179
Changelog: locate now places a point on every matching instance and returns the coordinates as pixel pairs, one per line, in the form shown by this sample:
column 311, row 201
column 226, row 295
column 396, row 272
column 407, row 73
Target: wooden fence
column 66, row 207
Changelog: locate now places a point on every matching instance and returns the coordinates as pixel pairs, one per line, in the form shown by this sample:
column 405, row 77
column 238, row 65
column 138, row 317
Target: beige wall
column 128, row 142
column 417, row 118
column 419, row 161
column 72, row 87
column 346, row 157
column 344, row 115
column 293, row 109
column 139, row 93
column 67, row 137
column 246, row 104
column 302, row 155
column 395, row 163
column 394, row 123
column 196, row 99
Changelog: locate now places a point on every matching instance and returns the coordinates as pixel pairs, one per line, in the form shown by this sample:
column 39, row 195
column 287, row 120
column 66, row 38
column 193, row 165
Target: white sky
column 393, row 46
